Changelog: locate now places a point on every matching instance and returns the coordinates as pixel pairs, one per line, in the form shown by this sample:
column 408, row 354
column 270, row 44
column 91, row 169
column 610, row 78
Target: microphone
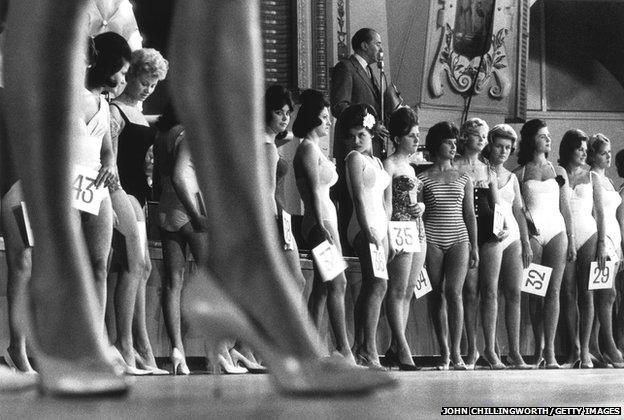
column 380, row 63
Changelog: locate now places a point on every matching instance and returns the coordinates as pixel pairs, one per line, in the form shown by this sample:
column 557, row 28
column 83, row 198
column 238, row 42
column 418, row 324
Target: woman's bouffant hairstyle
column 353, row 116
column 469, row 128
column 438, row 133
column 571, row 141
column 619, row 163
column 147, row 61
column 275, row 98
column 527, row 147
column 401, row 123
column 108, row 52
column 500, row 131
column 594, row 144
column 312, row 104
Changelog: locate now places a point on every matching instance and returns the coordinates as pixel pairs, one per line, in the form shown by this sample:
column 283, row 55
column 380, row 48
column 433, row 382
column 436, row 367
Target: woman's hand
column 199, row 223
column 504, row 233
column 106, row 175
column 571, row 249
column 474, row 256
column 415, row 210
column 601, row 254
column 373, row 237
column 527, row 255
column 327, row 234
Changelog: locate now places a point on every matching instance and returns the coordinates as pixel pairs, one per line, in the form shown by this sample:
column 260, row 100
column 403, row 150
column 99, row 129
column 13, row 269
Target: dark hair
column 362, row 35
column 312, row 104
column 500, row 131
column 275, row 98
column 353, row 116
column 107, row 55
column 438, row 133
column 401, row 123
column 570, row 142
column 526, row 148
column 619, row 163
column 168, row 119
column 594, row 144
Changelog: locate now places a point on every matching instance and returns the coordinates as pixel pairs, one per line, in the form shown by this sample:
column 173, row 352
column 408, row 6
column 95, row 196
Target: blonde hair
column 594, row 144
column 500, row 131
column 470, row 127
column 147, row 61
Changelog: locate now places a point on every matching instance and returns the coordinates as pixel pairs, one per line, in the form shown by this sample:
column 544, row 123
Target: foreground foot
column 18, row 361
column 471, row 360
column 11, row 380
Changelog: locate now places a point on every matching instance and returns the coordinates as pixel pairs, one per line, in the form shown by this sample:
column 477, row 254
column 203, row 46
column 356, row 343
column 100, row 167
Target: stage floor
column 419, row 395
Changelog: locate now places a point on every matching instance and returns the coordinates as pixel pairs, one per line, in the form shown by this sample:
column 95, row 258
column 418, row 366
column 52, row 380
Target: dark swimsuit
column 8, row 173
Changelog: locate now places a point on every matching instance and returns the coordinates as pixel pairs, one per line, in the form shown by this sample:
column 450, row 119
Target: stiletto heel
column 211, row 313
column 9, row 361
column 229, row 368
column 179, row 361
column 142, row 364
column 240, row 360
column 610, row 362
column 124, row 367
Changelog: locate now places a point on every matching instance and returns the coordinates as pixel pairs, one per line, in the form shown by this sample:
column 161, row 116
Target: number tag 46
column 601, row 279
column 404, row 236
column 85, row 197
column 378, row 257
column 328, row 261
column 535, row 279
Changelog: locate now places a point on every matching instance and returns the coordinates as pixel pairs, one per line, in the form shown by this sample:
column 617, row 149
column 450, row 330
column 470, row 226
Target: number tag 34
column 404, row 236
column 85, row 197
column 328, row 260
column 601, row 279
column 423, row 285
column 535, row 279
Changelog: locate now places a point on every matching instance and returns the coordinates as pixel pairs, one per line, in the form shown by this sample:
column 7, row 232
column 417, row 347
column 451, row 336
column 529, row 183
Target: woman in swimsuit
column 472, row 139
column 619, row 304
column 599, row 159
column 369, row 186
column 132, row 136
column 587, row 210
column 452, row 247
column 516, row 248
column 315, row 174
column 404, row 269
column 545, row 193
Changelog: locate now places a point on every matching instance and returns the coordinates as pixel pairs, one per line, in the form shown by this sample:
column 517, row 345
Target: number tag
column 289, row 240
column 535, row 279
column 85, row 197
column 423, row 285
column 601, row 279
column 328, row 260
column 404, row 236
column 29, row 238
column 499, row 220
column 378, row 257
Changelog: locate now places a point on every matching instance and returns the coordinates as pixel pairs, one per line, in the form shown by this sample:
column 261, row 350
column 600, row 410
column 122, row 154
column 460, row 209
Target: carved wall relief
column 342, row 35
column 471, row 51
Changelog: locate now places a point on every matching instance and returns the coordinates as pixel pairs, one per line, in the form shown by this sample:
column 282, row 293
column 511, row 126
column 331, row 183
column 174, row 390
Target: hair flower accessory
column 368, row 121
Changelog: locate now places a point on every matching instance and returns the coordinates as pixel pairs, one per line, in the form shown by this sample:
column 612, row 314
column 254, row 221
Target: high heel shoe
column 220, row 364
column 239, row 360
column 471, row 365
column 141, row 363
column 518, row 366
column 609, row 361
column 391, row 358
column 124, row 367
column 408, row 367
column 365, row 361
column 211, row 313
column 179, row 363
column 9, row 361
column 459, row 365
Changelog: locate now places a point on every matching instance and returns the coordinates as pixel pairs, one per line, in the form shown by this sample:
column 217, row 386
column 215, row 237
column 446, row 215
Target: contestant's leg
column 554, row 256
column 399, row 272
column 604, row 302
column 570, row 308
column 584, row 257
column 418, row 260
column 318, row 296
column 489, row 270
column 72, row 351
column 435, row 268
column 455, row 274
column 471, row 304
column 511, row 278
column 536, row 308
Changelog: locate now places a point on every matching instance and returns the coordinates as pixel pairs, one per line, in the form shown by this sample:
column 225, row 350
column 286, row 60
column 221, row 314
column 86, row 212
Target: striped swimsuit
column 444, row 216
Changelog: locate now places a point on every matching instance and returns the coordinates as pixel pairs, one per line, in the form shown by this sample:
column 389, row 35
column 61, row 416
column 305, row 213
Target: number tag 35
column 404, row 236
column 85, row 197
column 535, row 279
column 601, row 279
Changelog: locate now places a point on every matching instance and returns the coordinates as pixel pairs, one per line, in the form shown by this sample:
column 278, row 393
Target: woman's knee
column 339, row 285
column 378, row 288
column 20, row 261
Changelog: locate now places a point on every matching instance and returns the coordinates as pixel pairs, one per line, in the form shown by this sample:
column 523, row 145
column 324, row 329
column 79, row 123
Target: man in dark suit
column 353, row 82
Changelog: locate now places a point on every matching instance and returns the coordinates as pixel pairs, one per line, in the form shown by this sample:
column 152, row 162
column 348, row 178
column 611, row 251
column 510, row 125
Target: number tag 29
column 378, row 257
column 328, row 260
column 85, row 197
column 601, row 279
column 535, row 279
column 404, row 236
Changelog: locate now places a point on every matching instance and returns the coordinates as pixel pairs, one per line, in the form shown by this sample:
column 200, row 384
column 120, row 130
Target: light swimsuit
column 375, row 180
column 581, row 207
column 542, row 202
column 327, row 176
column 87, row 148
column 611, row 201
column 444, row 215
column 507, row 195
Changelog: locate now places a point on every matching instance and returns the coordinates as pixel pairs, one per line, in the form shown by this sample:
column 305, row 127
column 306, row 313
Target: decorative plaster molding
column 342, row 46
column 303, row 52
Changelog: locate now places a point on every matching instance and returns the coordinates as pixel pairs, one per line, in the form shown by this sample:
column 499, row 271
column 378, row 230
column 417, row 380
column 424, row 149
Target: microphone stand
column 382, row 117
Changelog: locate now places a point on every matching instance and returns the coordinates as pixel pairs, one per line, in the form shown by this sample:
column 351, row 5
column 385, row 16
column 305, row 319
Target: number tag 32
column 535, row 279
column 601, row 279
column 328, row 261
column 404, row 236
column 85, row 197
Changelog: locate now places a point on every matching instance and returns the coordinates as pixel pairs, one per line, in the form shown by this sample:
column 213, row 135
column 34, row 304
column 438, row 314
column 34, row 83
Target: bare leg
column 536, row 309
column 399, row 272
column 489, row 270
column 569, row 306
column 554, row 256
column 435, row 269
column 511, row 276
column 471, row 305
column 174, row 259
column 455, row 274
column 586, row 297
column 605, row 300
column 71, row 349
